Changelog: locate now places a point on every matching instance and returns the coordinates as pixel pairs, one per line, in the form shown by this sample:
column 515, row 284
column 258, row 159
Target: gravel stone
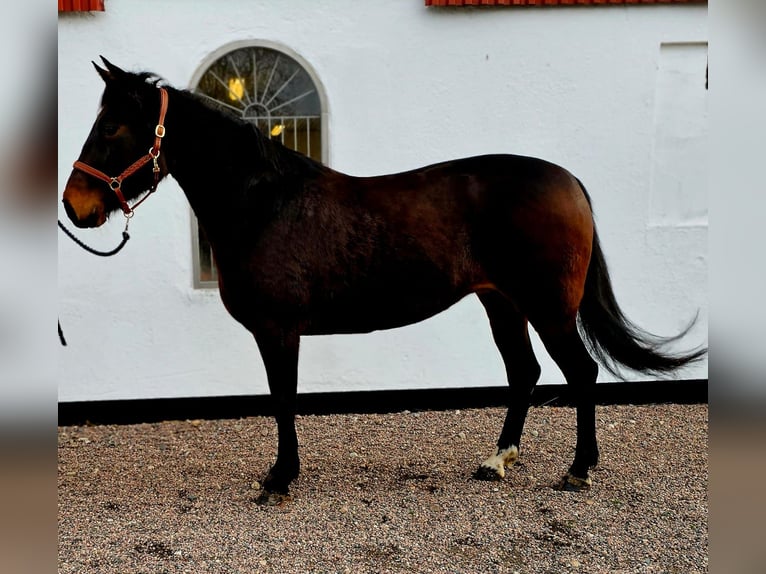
column 180, row 496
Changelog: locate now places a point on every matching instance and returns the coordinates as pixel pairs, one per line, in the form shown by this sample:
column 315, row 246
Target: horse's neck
column 208, row 161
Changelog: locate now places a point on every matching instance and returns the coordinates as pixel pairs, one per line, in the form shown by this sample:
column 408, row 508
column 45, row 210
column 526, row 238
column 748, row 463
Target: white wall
column 615, row 94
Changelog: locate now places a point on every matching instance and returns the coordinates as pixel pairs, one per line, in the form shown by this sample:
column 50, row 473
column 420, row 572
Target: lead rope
column 89, row 249
column 125, row 237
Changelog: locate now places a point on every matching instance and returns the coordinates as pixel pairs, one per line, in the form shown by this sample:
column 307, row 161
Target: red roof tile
column 81, row 5
column 553, row 2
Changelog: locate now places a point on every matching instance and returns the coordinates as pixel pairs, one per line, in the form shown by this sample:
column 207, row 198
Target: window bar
column 295, row 99
column 282, row 87
column 213, row 267
column 308, row 138
column 255, row 79
column 271, row 75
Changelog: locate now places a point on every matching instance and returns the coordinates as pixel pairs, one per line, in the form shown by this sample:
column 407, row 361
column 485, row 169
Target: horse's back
column 490, row 200
column 474, row 186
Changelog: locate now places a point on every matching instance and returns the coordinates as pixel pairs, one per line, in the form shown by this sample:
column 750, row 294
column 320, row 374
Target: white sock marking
column 504, row 457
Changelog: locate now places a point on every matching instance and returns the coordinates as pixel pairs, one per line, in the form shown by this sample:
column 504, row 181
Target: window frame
column 202, row 68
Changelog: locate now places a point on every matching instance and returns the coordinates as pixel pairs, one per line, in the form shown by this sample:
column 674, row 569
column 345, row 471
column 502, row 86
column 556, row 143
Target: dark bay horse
column 302, row 249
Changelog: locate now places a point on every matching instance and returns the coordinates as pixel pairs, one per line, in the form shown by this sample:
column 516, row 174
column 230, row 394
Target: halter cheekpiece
column 115, row 183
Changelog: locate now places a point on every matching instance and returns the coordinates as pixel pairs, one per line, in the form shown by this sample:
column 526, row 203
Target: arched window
column 278, row 92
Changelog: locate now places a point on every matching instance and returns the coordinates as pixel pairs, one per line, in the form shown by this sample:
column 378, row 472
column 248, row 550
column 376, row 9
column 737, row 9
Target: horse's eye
column 109, row 129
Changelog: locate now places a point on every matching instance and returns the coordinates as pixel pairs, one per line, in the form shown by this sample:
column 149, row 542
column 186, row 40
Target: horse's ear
column 116, row 71
column 105, row 74
column 112, row 72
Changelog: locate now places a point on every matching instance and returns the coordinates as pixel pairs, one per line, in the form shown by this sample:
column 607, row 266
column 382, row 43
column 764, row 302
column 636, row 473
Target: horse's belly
column 347, row 317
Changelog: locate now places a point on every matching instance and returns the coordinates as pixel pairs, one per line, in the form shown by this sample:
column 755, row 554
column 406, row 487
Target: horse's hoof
column 494, row 467
column 267, row 498
column 571, row 483
column 487, row 473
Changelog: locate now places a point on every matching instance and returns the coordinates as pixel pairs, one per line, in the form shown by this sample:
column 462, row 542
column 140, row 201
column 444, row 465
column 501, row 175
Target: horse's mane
column 273, row 155
column 282, row 160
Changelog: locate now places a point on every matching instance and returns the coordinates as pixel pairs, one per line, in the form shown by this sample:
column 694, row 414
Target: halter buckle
column 159, row 131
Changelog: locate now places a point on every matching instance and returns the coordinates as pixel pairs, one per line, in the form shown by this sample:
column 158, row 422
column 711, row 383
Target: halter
column 115, row 183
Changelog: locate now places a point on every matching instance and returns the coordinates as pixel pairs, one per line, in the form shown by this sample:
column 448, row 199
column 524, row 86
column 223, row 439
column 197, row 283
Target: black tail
column 613, row 339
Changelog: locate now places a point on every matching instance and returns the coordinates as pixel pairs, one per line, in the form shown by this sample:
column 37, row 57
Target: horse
column 302, row 249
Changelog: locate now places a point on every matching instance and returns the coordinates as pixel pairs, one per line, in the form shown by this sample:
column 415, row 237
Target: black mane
column 270, row 154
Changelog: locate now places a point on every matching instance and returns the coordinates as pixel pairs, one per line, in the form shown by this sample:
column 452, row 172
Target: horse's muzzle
column 84, row 206
column 92, row 219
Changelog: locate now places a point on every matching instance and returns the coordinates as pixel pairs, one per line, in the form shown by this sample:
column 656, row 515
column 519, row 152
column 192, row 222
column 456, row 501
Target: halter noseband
column 115, row 183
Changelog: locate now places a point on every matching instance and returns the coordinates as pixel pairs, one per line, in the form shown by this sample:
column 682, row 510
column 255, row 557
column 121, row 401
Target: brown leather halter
column 115, row 183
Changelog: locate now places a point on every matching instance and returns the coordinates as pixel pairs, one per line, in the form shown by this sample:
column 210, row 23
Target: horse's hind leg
column 580, row 371
column 509, row 329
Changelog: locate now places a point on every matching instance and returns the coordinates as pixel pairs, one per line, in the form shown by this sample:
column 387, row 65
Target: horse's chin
column 92, row 221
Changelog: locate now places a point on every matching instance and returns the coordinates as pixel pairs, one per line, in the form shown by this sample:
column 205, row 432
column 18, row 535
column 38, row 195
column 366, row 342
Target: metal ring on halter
column 157, row 151
column 115, row 184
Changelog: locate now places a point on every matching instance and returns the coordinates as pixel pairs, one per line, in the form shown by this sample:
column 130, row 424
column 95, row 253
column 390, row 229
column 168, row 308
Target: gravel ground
column 386, row 493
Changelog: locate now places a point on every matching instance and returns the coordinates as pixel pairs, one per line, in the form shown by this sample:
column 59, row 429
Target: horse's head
column 109, row 172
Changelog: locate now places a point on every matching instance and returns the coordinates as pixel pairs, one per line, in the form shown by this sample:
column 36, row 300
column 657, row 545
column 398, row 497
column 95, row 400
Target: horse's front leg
column 279, row 350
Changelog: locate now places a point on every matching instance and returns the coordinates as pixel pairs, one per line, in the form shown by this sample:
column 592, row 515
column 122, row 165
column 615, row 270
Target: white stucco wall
column 614, row 94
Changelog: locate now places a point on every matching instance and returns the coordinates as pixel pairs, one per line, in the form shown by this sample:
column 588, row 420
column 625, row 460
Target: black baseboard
column 153, row 410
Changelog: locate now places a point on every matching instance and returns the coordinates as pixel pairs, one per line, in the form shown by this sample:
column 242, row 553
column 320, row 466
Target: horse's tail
column 612, row 338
